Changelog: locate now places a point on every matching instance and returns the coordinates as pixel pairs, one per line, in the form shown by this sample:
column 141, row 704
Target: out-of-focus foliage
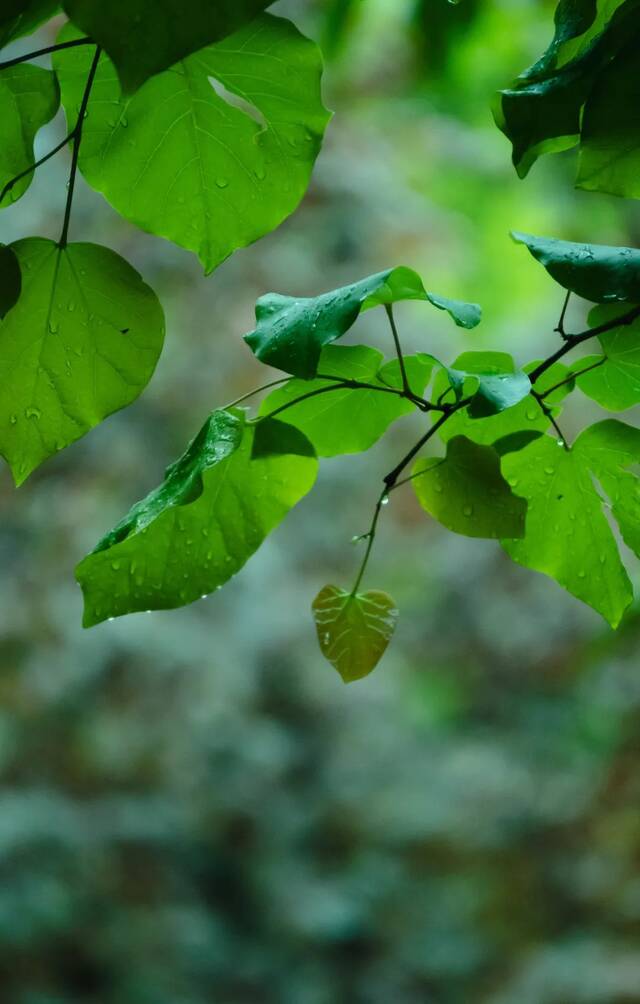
column 192, row 808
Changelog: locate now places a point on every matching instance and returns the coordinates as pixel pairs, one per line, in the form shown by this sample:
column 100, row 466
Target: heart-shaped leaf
column 291, row 332
column 81, row 342
column 354, row 630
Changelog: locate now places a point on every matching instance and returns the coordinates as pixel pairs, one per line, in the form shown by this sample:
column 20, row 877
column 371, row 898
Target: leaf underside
column 354, row 630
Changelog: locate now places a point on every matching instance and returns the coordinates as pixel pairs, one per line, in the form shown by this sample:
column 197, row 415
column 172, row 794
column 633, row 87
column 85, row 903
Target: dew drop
column 385, row 500
column 222, row 182
column 549, row 470
column 32, row 413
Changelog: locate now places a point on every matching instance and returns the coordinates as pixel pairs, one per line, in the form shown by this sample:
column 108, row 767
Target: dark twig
column 573, row 340
column 77, row 139
column 45, row 52
column 563, row 313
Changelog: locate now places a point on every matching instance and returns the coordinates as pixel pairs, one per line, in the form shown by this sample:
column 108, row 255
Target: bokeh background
column 194, row 809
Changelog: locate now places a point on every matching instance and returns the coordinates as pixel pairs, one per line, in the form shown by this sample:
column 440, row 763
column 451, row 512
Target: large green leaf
column 610, row 147
column 542, row 111
column 215, row 152
column 191, row 535
column 29, row 98
column 568, row 536
column 345, row 420
column 466, row 492
column 144, row 37
column 615, row 380
column 354, row 630
column 21, row 17
column 10, row 279
column 81, row 342
column 291, row 332
column 596, row 272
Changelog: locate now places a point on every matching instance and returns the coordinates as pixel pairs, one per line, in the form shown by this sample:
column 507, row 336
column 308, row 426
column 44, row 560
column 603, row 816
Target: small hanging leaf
column 187, row 538
column 354, row 630
column 81, row 342
column 596, row 272
column 10, row 279
column 291, row 332
column 213, row 153
column 144, row 37
column 345, row 420
column 29, row 98
column 467, row 493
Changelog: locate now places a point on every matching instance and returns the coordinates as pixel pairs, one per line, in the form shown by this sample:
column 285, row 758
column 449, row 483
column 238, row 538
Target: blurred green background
column 194, row 809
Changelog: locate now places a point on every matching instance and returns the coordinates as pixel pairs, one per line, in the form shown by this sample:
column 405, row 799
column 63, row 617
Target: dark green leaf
column 191, row 535
column 10, row 279
column 29, row 98
column 21, row 17
column 354, row 630
column 81, row 342
column 596, row 272
column 466, row 491
column 144, row 37
column 291, row 331
column 567, row 532
column 344, row 420
column 215, row 152
column 274, row 439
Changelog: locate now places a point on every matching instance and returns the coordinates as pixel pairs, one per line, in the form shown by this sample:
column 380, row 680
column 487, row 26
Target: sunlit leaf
column 29, row 98
column 466, row 492
column 354, row 630
column 215, row 152
column 81, row 342
column 193, row 533
column 291, row 332
column 568, row 536
column 143, row 37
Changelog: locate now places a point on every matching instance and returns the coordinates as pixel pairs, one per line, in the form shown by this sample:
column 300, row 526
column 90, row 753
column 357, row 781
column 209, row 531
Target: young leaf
column 193, row 533
column 81, row 342
column 492, row 379
column 144, row 37
column 614, row 382
column 466, row 492
column 354, row 630
column 29, row 98
column 567, row 533
column 527, row 416
column 596, row 272
column 10, row 279
column 346, row 420
column 215, row 152
column 21, row 17
column 291, row 332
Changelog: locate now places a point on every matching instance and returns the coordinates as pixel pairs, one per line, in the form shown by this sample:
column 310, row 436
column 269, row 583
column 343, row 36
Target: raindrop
column 385, row 500
column 32, row 413
column 222, row 182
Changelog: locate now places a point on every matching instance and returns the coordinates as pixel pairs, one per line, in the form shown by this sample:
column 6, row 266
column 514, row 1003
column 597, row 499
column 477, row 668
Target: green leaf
column 345, row 420
column 144, row 37
column 10, row 279
column 193, row 533
column 354, row 630
column 466, row 492
column 215, row 152
column 615, row 381
column 492, row 379
column 525, row 416
column 568, row 536
column 610, row 148
column 29, row 98
column 21, row 17
column 291, row 332
column 596, row 272
column 81, row 342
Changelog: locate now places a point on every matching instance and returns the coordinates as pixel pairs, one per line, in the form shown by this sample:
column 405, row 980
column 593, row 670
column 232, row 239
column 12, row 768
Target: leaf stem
column 549, row 414
column 370, row 538
column 572, row 341
column 573, row 376
column 257, row 390
column 563, row 313
column 23, row 174
column 396, row 341
column 45, row 52
column 77, row 139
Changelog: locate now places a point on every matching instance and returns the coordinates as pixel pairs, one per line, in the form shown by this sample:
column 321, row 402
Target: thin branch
column 23, row 174
column 303, row 397
column 370, row 538
column 549, row 414
column 573, row 376
column 45, row 52
column 560, row 325
column 77, row 139
column 392, row 477
column 573, row 340
column 396, row 341
column 252, row 393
